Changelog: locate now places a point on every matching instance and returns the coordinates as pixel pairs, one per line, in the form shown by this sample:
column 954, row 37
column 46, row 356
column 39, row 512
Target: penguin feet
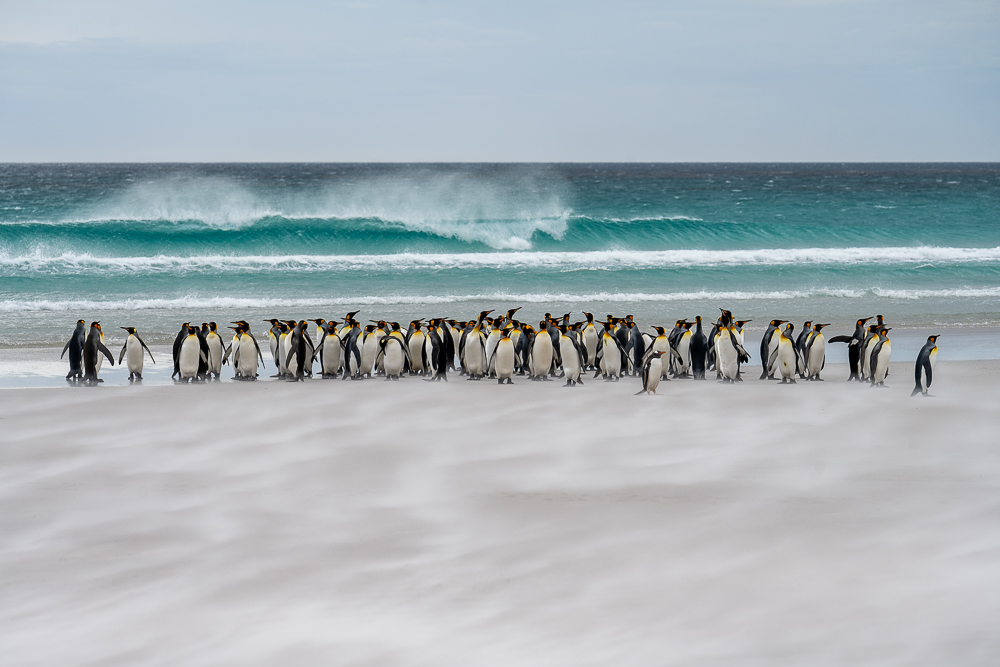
column 569, row 383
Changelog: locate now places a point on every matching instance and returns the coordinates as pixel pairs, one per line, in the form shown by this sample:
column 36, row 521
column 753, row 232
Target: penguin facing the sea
column 134, row 347
column 923, row 370
column 92, row 349
column 75, row 346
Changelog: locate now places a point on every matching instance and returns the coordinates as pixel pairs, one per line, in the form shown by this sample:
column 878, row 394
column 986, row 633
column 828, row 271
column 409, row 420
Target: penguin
column 93, row 348
column 683, row 348
column 492, row 340
column 320, row 334
column 800, row 346
column 815, row 353
column 698, row 351
column 349, row 335
column 274, row 337
column 203, row 344
column 415, row 342
column 134, row 347
column 502, row 358
column 191, row 356
column 660, row 344
column 329, row 350
column 75, row 346
column 395, row 354
column 298, row 352
column 784, row 359
column 216, row 350
column 540, row 355
column 923, row 370
column 249, row 352
column 572, row 353
column 867, row 347
column 590, row 338
column 176, row 351
column 768, row 344
column 651, row 372
column 854, row 348
column 880, row 356
column 673, row 337
column 100, row 358
column 436, row 351
column 729, row 350
column 613, row 354
column 636, row 344
column 474, row 360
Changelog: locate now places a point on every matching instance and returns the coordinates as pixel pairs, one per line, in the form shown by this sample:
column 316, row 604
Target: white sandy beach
column 410, row 523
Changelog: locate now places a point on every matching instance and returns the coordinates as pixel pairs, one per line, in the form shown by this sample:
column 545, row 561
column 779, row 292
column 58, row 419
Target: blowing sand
column 369, row 523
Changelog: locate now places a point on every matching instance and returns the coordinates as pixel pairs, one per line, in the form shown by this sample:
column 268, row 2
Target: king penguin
column 651, row 372
column 75, row 346
column 134, row 347
column 923, row 371
column 880, row 356
column 92, row 349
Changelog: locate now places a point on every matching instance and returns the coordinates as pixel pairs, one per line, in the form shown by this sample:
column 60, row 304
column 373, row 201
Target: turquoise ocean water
column 154, row 245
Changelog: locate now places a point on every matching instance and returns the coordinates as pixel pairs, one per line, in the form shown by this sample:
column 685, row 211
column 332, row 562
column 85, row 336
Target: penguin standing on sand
column 134, row 347
column 191, row 357
column 698, row 350
column 502, row 358
column 880, row 356
column 768, row 344
column 295, row 360
column 814, row 353
column 923, row 371
column 651, row 372
column 785, row 358
column 75, row 346
column 573, row 356
column 395, row 355
column 216, row 350
column 176, row 351
column 92, row 349
column 660, row 344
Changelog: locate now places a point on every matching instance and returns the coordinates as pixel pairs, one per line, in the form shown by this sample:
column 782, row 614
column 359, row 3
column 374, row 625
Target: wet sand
column 410, row 523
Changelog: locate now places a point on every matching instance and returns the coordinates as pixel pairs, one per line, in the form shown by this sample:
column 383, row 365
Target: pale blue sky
column 796, row 80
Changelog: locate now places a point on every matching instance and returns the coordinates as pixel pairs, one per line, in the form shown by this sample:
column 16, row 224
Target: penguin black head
column 350, row 316
column 131, row 330
column 212, row 326
column 660, row 330
column 861, row 322
column 510, row 313
column 879, row 320
column 933, row 339
column 590, row 317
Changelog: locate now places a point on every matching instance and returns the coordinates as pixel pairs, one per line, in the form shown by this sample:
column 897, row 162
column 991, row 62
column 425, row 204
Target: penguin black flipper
column 144, row 346
column 106, row 352
column 65, row 348
column 841, row 339
column 121, row 355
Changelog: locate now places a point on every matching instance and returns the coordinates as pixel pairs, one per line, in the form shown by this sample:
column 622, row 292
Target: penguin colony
column 501, row 347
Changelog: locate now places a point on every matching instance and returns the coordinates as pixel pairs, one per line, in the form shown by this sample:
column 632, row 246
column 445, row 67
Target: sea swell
column 41, row 263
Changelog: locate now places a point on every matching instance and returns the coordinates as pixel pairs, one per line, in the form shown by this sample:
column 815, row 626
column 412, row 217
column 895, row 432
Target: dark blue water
column 152, row 245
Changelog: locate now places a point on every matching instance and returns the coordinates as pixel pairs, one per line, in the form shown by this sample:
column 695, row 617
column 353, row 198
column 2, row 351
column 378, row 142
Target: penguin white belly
column 571, row 360
column 393, row 360
column 331, row 354
column 282, row 354
column 684, row 348
column 612, row 360
column 368, row 352
column 100, row 357
column 655, row 371
column 661, row 345
column 817, row 357
column 590, row 343
column 133, row 355
column 503, row 360
column 475, row 355
column 728, row 357
column 247, row 364
column 882, row 363
column 491, row 346
column 866, row 361
column 215, row 352
column 416, row 345
column 541, row 354
column 786, row 360
column 189, row 357
column 274, row 350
